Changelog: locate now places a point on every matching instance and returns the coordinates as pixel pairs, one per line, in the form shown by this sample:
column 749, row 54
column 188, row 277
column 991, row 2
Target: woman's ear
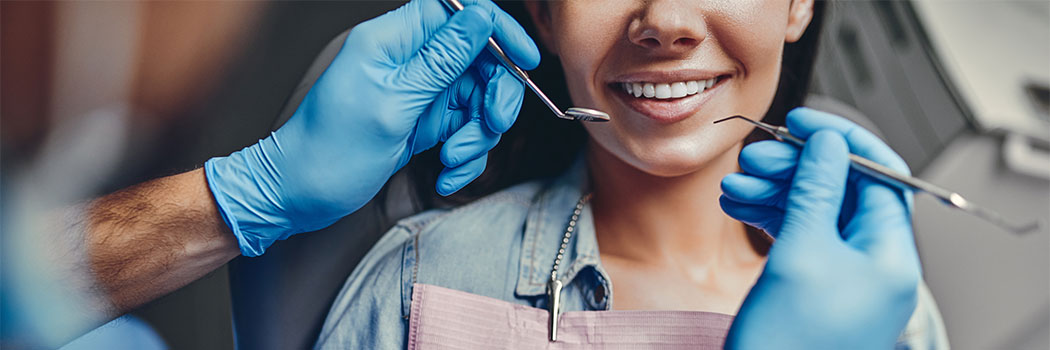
column 541, row 17
column 799, row 16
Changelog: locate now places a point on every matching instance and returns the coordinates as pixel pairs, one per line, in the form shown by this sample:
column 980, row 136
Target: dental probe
column 892, row 177
column 574, row 113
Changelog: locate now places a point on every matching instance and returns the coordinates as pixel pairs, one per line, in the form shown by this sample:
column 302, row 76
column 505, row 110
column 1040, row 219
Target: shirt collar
column 545, row 224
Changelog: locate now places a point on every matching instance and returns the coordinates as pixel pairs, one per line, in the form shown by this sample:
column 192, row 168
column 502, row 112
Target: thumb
column 449, row 51
column 818, row 187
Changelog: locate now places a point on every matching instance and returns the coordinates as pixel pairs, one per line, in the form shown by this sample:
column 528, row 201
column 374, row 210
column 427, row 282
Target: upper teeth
column 669, row 90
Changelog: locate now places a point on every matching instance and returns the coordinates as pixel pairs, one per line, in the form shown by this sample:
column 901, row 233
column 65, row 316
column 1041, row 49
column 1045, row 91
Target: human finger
column 749, row 189
column 448, row 112
column 769, row 159
column 765, row 218
column 448, row 53
column 510, row 35
column 431, row 15
column 453, row 179
column 881, row 224
column 468, row 142
column 503, row 97
column 818, row 187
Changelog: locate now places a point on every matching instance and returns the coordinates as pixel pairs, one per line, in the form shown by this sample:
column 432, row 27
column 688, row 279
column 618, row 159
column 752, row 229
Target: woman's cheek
column 582, row 48
column 754, row 37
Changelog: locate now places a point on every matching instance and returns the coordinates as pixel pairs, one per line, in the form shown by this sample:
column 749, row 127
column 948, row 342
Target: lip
column 668, row 111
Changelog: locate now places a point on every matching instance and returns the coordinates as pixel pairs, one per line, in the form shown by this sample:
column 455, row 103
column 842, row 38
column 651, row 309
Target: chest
column 639, row 287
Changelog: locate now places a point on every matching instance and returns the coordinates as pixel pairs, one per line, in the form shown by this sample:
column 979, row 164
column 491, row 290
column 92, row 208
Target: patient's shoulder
column 474, row 247
column 511, row 202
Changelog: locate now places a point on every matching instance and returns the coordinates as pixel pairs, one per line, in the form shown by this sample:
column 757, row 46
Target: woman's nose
column 668, row 27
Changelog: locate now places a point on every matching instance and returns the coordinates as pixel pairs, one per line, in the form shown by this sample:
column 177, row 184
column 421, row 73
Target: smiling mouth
column 667, row 102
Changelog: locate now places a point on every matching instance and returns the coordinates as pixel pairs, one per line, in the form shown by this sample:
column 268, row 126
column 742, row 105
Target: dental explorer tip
column 732, row 117
column 1030, row 227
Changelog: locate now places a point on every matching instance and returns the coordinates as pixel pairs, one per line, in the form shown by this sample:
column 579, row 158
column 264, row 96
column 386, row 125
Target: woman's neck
column 666, row 221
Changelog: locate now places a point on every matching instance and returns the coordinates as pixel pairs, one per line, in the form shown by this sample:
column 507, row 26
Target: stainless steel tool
column 894, row 178
column 574, row 113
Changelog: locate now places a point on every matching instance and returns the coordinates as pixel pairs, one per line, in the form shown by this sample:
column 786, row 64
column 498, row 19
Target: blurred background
column 96, row 96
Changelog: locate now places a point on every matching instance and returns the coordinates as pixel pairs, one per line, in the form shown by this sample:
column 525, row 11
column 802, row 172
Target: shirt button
column 599, row 294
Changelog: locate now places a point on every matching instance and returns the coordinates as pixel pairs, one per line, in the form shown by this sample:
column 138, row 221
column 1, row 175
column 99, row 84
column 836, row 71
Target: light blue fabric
column 127, row 332
column 501, row 246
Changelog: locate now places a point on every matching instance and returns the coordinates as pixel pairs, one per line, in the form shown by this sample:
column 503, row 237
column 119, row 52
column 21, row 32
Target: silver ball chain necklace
column 554, row 286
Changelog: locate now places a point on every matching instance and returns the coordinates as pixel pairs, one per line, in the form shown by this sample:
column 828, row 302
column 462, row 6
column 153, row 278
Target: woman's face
column 664, row 70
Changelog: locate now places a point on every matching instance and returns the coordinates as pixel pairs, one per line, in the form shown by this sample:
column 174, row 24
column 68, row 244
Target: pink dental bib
column 443, row 318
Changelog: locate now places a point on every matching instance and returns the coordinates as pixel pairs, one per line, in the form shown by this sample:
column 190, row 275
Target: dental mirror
column 586, row 114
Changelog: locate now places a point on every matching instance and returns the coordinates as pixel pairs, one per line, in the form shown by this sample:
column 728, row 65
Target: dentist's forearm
column 153, row 238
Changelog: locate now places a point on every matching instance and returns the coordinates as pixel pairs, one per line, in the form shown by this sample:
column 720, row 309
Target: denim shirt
column 502, row 246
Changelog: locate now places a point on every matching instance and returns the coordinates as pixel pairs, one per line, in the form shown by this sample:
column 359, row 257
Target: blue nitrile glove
column 843, row 271
column 402, row 83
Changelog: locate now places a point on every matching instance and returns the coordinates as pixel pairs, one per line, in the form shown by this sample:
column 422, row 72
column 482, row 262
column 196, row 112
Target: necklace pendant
column 553, row 307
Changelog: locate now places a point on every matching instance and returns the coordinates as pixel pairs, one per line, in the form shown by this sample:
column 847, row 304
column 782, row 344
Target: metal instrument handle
column 518, row 72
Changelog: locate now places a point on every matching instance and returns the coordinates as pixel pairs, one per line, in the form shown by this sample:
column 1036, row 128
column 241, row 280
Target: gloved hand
column 843, row 271
column 402, row 83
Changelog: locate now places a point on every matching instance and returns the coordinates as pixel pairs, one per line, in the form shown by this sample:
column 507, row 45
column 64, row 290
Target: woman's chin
column 668, row 163
column 669, row 157
column 668, row 166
